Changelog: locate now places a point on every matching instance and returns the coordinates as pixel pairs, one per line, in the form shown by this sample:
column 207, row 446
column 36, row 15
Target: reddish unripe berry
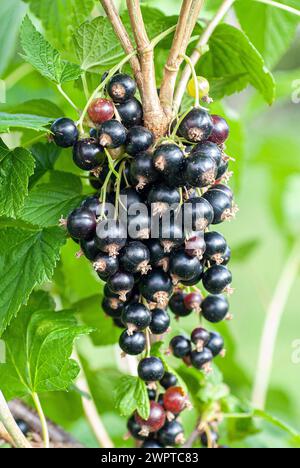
column 156, row 420
column 101, row 110
column 220, row 130
column 193, row 301
column 195, row 247
column 175, row 400
column 200, row 337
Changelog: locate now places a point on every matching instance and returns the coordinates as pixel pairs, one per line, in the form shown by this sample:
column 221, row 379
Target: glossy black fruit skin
column 216, row 245
column 121, row 87
column 169, row 161
column 193, row 281
column 168, row 380
column 221, row 203
column 142, row 171
column 106, row 266
column 224, row 188
column 214, row 438
column 130, row 197
column 135, row 258
column 225, row 258
column 161, row 194
column 111, row 239
column 152, row 444
column 87, row 154
column 216, row 279
column 160, row 321
column 180, row 346
column 112, row 134
column 132, row 344
column 177, row 305
column 198, row 213
column 23, row 426
column 113, row 308
column 90, row 249
column 215, row 343
column 92, row 203
column 134, row 429
column 208, row 149
column 121, row 283
column 215, row 308
column 183, row 267
column 151, row 369
column 136, row 314
column 222, row 169
column 81, row 224
column 139, row 139
column 196, row 126
column 131, row 113
column 154, row 283
column 156, row 250
column 65, row 133
column 199, row 359
column 171, row 235
column 139, row 225
column 201, row 171
column 170, row 433
column 200, row 335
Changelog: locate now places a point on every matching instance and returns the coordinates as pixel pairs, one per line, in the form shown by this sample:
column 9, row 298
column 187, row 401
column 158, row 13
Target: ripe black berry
column 217, row 279
column 121, row 283
column 215, row 343
column 139, row 226
column 198, row 213
column 155, row 421
column 139, row 139
column 162, row 198
column 135, row 317
column 23, row 426
column 180, row 346
column 200, row 337
column 112, row 134
column 200, row 170
column 92, row 203
column 171, row 434
column 132, row 344
column 142, row 171
column 160, row 321
column 157, row 252
column 177, row 305
column 214, row 438
column 221, row 203
column 208, row 149
column 215, row 308
column 87, row 154
column 171, row 235
column 225, row 258
column 156, row 287
column 222, row 169
column 200, row 359
column 89, row 248
column 106, row 265
column 183, row 267
column 224, row 188
column 193, row 281
column 216, row 246
column 151, row 369
column 81, row 224
column 169, row 160
column 151, row 444
column 132, row 197
column 65, row 133
column 168, row 380
column 121, row 87
column 196, row 126
column 110, row 237
column 134, row 429
column 195, row 247
column 220, row 130
column 135, row 258
column 131, row 113
column 113, row 307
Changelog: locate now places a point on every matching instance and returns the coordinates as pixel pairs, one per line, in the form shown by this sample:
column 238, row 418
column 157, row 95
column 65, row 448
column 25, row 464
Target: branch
column 196, row 55
column 189, row 14
column 119, row 28
column 11, row 426
column 271, row 328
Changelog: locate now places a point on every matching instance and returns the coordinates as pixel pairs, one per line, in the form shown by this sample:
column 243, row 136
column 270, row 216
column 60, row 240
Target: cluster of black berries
column 162, row 428
column 143, row 181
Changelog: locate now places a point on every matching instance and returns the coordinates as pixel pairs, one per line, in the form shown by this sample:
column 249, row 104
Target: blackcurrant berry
column 225, row 258
column 151, row 369
column 222, row 205
column 183, row 267
column 169, row 160
column 200, row 171
column 139, row 226
column 87, row 154
column 210, row 150
column 151, row 393
column 215, row 343
column 193, row 301
column 220, row 130
column 224, row 188
column 171, row 235
column 134, row 429
column 142, row 171
column 200, row 337
column 131, row 113
column 198, row 214
column 168, row 380
column 81, row 224
column 196, row 126
column 121, row 283
column 89, row 248
column 92, row 204
column 195, row 247
column 215, row 308
column 64, row 132
column 180, row 346
column 106, row 266
column 156, row 420
column 23, row 426
column 121, row 87
column 193, row 281
column 162, row 198
column 139, row 139
column 110, row 237
column 130, row 197
column 201, row 359
column 175, row 400
column 177, row 305
column 135, row 317
column 135, row 258
column 160, row 321
column 222, row 169
column 217, row 279
column 113, row 307
column 157, row 252
column 216, row 246
column 112, row 134
column 132, row 344
column 95, row 181
column 171, row 434
column 151, row 444
column 213, row 436
column 156, row 287
column 101, row 110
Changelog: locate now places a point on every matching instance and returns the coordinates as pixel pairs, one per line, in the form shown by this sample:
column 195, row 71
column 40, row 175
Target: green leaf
column 131, row 395
column 42, row 56
column 32, row 122
column 262, row 24
column 234, row 59
column 40, row 107
column 27, row 258
column 11, row 14
column 47, row 203
column 241, row 252
column 278, row 423
column 89, row 311
column 16, row 166
column 38, row 347
column 45, row 156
